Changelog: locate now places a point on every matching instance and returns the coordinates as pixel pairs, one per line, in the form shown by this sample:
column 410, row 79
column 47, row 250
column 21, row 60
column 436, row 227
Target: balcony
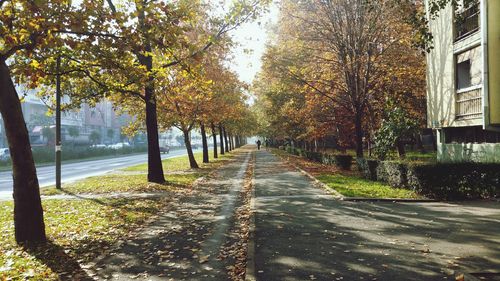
column 469, row 103
column 467, row 22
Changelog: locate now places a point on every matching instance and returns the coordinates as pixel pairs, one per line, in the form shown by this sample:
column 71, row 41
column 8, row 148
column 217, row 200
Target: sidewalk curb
column 250, row 269
column 334, row 192
column 393, row 200
column 341, row 197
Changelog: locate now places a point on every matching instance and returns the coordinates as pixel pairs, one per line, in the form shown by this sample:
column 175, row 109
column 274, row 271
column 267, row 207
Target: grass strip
column 355, row 186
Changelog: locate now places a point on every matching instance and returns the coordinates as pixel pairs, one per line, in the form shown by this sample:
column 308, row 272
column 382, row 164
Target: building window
column 467, row 19
column 464, row 74
column 468, row 82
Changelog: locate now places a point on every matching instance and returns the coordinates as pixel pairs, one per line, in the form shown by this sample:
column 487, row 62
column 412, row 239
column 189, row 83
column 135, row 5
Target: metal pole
column 58, row 124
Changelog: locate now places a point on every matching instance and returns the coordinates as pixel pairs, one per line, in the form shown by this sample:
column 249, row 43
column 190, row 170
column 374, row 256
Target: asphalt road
column 80, row 170
column 302, row 234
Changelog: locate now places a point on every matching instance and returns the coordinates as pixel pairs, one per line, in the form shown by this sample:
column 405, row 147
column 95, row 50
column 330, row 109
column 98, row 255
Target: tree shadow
column 301, row 236
column 55, row 257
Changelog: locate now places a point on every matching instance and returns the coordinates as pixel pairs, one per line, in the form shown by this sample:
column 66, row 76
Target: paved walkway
column 189, row 239
column 300, row 234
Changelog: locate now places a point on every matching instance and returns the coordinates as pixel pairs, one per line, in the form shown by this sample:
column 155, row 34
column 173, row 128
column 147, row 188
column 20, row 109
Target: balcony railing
column 469, row 103
column 467, row 22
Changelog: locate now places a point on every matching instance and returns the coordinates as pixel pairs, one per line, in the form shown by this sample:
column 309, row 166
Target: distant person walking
column 258, row 144
column 266, row 143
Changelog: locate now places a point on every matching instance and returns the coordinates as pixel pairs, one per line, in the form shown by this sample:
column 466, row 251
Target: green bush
column 455, row 181
column 298, row 152
column 368, row 167
column 314, row 156
column 47, row 154
column 393, row 173
column 343, row 161
column 328, row 159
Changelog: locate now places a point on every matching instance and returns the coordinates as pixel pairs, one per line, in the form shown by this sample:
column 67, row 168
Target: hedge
column 314, row 156
column 47, row 154
column 439, row 181
column 340, row 160
column 455, row 181
column 368, row 167
column 393, row 173
column 343, row 161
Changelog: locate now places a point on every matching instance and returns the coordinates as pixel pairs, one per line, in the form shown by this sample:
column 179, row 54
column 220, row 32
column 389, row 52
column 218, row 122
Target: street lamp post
column 58, row 124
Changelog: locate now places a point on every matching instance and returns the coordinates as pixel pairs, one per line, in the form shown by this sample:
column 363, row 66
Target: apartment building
column 101, row 118
column 463, row 82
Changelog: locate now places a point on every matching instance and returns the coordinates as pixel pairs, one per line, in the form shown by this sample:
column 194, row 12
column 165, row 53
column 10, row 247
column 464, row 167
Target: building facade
column 463, row 82
column 76, row 125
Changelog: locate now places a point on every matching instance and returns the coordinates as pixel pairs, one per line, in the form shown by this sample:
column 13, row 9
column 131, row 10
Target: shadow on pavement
column 319, row 238
column 55, row 257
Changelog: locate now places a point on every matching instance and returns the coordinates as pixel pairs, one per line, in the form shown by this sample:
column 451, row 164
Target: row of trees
column 146, row 56
column 337, row 68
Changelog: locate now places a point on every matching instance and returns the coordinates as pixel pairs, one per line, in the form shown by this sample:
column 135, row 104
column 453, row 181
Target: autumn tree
column 26, row 27
column 227, row 96
column 106, row 50
column 348, row 52
column 148, row 38
column 182, row 94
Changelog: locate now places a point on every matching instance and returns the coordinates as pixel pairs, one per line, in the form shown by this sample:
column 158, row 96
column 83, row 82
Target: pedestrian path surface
column 188, row 240
column 300, row 234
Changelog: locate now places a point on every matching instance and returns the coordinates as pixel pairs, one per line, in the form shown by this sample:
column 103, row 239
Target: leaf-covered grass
column 81, row 229
column 78, row 231
column 354, row 186
column 177, row 174
column 123, row 183
column 181, row 163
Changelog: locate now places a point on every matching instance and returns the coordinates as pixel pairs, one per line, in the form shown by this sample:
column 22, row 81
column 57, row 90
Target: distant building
column 463, row 72
column 76, row 125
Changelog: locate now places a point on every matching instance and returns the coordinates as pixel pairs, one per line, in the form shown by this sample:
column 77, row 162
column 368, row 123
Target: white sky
column 253, row 37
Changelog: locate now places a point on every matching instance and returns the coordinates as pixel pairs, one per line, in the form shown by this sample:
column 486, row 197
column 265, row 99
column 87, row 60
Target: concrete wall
column 441, row 62
column 494, row 60
column 469, row 152
column 440, row 72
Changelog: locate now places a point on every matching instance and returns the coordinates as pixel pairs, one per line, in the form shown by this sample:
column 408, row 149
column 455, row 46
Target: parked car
column 119, row 145
column 165, row 149
column 99, row 146
column 4, row 154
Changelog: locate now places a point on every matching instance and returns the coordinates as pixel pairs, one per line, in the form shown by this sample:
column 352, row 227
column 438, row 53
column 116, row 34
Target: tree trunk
column 204, row 143
column 358, row 127
column 28, row 213
column 237, row 141
column 225, row 140
column 420, row 145
column 231, row 143
column 187, row 142
column 221, row 137
column 401, row 149
column 214, row 136
column 155, row 168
